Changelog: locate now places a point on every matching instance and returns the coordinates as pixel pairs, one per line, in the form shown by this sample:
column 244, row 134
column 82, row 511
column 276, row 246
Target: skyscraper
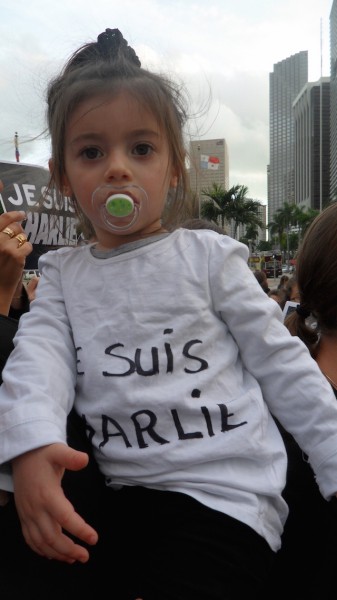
column 285, row 83
column 312, row 144
column 333, row 101
column 208, row 165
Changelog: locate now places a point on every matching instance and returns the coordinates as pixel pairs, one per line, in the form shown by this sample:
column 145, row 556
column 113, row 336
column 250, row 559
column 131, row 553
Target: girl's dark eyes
column 142, row 149
column 91, row 153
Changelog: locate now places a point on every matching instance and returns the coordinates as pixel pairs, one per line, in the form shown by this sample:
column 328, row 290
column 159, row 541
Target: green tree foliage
column 223, row 206
column 264, row 246
column 287, row 218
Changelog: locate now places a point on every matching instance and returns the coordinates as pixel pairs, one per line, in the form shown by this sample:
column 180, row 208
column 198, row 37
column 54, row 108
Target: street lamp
column 197, row 183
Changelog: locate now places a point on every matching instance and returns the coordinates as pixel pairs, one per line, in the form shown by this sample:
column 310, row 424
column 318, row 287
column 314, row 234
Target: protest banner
column 48, row 224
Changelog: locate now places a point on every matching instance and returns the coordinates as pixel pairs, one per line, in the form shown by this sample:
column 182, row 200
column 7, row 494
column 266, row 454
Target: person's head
column 262, row 279
column 316, row 275
column 292, row 289
column 113, row 122
column 283, row 281
column 279, row 295
column 203, row 224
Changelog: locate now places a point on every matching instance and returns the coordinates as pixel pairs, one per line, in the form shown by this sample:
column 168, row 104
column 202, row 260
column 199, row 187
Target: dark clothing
column 15, row 313
column 306, row 562
column 172, row 547
column 153, row 545
column 8, row 329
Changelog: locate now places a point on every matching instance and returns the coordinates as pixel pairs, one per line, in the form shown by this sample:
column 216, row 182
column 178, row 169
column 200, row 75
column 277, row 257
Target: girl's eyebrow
column 93, row 136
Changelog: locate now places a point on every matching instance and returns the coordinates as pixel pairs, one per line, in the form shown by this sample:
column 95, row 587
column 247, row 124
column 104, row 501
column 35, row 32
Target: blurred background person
column 292, row 290
column 279, row 295
column 263, row 281
column 283, row 282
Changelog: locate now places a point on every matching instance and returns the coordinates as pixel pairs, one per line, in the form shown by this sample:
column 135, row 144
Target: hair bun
column 111, row 44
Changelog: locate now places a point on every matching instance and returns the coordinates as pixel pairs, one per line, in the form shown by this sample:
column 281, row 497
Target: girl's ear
column 173, row 181
column 66, row 189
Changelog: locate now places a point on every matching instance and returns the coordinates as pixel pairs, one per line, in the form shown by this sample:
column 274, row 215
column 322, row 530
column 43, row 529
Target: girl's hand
column 44, row 511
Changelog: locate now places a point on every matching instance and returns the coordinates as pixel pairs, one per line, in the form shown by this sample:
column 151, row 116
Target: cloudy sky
column 223, row 51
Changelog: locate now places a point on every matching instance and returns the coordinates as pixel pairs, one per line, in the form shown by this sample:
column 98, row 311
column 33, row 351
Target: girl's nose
column 117, row 168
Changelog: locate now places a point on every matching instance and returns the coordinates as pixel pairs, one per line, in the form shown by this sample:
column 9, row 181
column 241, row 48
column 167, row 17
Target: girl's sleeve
column 40, row 375
column 292, row 384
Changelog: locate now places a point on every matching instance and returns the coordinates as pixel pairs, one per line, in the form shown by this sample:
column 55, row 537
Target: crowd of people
column 161, row 426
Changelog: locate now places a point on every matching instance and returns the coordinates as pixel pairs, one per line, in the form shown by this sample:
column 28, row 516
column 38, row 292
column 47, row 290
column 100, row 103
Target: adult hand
column 44, row 511
column 14, row 248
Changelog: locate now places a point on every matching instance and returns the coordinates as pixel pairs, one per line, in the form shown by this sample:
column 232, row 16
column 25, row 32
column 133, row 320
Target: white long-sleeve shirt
column 176, row 358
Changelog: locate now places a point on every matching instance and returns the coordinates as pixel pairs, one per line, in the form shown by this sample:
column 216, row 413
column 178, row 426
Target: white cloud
column 222, row 50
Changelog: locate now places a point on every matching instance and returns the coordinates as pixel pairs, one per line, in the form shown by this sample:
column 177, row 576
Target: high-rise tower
column 333, row 101
column 312, row 144
column 285, row 83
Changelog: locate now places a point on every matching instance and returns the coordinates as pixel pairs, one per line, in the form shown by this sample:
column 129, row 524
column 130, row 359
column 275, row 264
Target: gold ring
column 9, row 232
column 21, row 239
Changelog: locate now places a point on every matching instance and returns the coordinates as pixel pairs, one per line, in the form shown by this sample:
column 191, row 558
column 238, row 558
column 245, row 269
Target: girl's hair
column 105, row 68
column 316, row 274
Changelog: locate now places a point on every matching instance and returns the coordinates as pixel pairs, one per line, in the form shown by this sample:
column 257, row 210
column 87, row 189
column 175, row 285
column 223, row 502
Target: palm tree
column 283, row 219
column 215, row 208
column 230, row 205
column 244, row 212
column 276, row 227
column 251, row 233
column 304, row 218
column 288, row 216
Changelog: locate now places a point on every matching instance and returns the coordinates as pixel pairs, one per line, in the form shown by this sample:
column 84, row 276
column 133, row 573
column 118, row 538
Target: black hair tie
column 303, row 312
column 111, row 41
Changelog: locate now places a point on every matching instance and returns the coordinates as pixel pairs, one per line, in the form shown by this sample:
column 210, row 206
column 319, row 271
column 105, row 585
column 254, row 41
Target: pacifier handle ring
column 118, row 207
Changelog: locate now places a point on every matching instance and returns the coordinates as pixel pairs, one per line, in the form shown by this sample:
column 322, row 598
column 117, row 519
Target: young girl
column 169, row 350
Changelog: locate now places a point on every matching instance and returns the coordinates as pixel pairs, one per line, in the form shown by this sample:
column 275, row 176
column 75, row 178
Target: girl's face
column 117, row 142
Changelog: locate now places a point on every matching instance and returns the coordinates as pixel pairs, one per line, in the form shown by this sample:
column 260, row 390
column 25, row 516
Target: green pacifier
column 119, row 205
